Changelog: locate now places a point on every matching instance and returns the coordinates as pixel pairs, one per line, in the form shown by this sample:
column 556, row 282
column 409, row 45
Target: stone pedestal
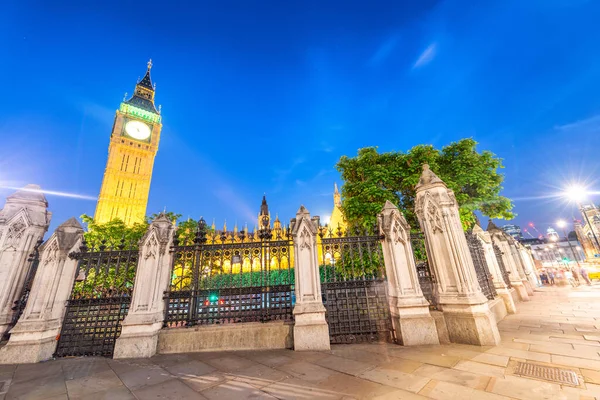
column 34, row 338
column 500, row 285
column 23, row 222
column 468, row 317
column 311, row 331
column 141, row 326
column 412, row 321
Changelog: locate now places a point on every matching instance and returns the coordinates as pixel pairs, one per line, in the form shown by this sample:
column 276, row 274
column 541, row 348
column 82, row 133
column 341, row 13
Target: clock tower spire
column 131, row 151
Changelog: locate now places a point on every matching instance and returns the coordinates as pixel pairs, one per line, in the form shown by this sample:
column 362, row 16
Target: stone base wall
column 498, row 308
column 246, row 336
column 515, row 295
column 440, row 325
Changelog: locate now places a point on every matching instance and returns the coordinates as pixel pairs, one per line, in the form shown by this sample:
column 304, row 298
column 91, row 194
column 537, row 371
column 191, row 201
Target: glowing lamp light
column 213, row 297
column 561, row 223
column 576, row 193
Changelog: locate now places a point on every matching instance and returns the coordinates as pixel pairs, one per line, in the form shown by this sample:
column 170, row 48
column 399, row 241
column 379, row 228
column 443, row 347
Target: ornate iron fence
column 484, row 277
column 354, row 287
column 21, row 302
column 426, row 275
column 99, row 300
column 231, row 277
column 505, row 273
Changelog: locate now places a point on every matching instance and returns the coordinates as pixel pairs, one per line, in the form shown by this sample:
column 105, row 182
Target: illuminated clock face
column 137, row 130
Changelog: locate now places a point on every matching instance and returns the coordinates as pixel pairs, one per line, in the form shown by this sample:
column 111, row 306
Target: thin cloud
column 384, row 51
column 426, row 57
column 587, row 125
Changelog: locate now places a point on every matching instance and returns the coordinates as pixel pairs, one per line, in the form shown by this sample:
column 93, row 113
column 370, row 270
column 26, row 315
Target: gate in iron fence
column 484, row 277
column 505, row 273
column 99, row 300
column 231, row 277
column 354, row 287
column 21, row 302
column 426, row 276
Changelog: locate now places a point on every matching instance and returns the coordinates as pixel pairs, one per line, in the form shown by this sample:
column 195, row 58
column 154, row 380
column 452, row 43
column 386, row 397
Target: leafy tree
column 371, row 178
column 114, row 232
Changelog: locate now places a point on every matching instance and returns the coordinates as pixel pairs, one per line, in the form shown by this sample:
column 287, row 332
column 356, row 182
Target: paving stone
column 144, row 376
column 42, row 372
column 307, row 371
column 298, row 389
column 525, row 389
column 576, row 362
column 433, row 359
column 83, row 368
column 36, row 389
column 400, row 395
column 362, row 354
column 171, row 389
column 233, row 390
column 397, row 379
column 93, row 383
column 459, row 377
column 206, row 381
column 355, row 387
column 266, row 358
column 522, row 354
column 591, row 376
column 167, row 360
column 492, row 359
column 347, row 366
column 402, row 365
column 480, row 368
column 449, row 391
column 259, row 376
column 190, row 368
column 118, row 393
column 230, row 363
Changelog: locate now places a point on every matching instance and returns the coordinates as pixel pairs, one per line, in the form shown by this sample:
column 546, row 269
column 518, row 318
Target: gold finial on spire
column 149, row 64
column 235, row 227
column 213, row 226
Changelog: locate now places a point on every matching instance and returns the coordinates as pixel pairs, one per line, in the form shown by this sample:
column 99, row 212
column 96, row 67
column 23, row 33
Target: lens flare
column 52, row 193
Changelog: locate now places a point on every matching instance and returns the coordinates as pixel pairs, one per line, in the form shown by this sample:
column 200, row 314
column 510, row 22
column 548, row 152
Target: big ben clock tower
column 133, row 145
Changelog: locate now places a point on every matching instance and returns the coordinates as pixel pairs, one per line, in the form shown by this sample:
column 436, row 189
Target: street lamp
column 578, row 193
column 562, row 224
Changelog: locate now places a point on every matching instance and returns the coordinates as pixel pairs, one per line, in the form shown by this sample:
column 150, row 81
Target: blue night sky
column 265, row 96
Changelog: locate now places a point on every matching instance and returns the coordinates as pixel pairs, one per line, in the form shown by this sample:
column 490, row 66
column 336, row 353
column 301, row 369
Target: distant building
column 588, row 230
column 513, row 230
column 554, row 253
column 551, row 234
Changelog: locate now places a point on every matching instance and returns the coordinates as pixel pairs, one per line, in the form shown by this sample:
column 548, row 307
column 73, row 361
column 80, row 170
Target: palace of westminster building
column 133, row 145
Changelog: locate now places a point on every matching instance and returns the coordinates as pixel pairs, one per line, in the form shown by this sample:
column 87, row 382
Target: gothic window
column 15, row 232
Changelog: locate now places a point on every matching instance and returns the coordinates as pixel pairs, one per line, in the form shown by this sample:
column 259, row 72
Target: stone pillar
column 23, row 222
column 412, row 321
column 528, row 266
column 502, row 289
column 34, row 337
column 516, row 254
column 501, row 239
column 466, row 311
column 140, row 328
column 311, row 331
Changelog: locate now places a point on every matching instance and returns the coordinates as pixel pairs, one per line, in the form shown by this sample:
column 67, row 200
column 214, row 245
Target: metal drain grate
column 551, row 374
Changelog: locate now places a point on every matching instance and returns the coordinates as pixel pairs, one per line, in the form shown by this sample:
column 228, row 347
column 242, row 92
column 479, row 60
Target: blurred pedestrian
column 569, row 277
column 551, row 276
column 584, row 275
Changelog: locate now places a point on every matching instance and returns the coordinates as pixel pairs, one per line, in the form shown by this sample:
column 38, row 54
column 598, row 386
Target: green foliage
column 112, row 232
column 106, row 283
column 371, row 178
column 249, row 279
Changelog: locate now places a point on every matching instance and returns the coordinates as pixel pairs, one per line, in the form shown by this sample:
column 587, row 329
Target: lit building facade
column 555, row 253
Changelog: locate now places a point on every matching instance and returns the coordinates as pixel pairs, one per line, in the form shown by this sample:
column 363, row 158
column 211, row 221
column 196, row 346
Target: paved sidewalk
column 560, row 327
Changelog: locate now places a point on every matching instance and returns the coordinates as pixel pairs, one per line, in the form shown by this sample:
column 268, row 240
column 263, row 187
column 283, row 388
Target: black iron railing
column 99, row 300
column 505, row 273
column 231, row 277
column 484, row 277
column 424, row 270
column 354, row 286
